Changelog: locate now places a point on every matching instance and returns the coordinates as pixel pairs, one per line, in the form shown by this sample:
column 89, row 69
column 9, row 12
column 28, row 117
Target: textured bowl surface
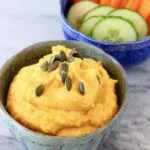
column 127, row 53
column 36, row 141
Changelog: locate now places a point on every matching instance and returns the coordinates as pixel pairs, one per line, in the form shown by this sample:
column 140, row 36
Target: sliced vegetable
column 88, row 25
column 96, row 1
column 98, row 11
column 123, row 3
column 105, row 2
column 75, row 1
column 78, row 10
column 135, row 18
column 115, row 3
column 145, row 8
column 114, row 29
column 91, row 18
column 148, row 21
column 133, row 4
column 136, row 5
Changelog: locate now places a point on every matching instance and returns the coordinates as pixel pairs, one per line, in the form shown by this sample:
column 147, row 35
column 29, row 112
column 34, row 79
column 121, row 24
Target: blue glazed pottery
column 36, row 141
column 127, row 53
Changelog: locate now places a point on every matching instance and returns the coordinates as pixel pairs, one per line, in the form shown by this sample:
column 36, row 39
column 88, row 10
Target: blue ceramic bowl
column 36, row 141
column 127, row 53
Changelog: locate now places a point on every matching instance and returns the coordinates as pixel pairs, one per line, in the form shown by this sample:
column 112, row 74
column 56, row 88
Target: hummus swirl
column 58, row 111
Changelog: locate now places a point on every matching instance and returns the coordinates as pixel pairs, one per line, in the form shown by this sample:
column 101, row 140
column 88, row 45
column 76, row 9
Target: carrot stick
column 123, row 3
column 105, row 2
column 96, row 1
column 145, row 8
column 148, row 21
column 135, row 5
column 129, row 4
column 115, row 3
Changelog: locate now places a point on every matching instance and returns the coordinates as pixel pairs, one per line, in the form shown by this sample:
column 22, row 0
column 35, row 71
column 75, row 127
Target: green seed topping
column 77, row 55
column 39, row 90
column 63, row 56
column 68, row 83
column 64, row 76
column 53, row 66
column 70, row 59
column 55, row 58
column 63, row 68
column 99, row 80
column 44, row 66
column 74, row 50
column 81, row 88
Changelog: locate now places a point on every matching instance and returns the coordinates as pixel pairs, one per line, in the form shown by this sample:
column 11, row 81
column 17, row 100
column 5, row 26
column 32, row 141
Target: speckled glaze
column 127, row 53
column 36, row 141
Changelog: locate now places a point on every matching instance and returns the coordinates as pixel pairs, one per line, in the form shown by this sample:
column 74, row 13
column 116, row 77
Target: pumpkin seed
column 64, row 76
column 99, row 80
column 81, row 88
column 70, row 59
column 53, row 66
column 63, row 68
column 74, row 50
column 44, row 66
column 68, row 83
column 39, row 90
column 63, row 56
column 55, row 58
column 77, row 55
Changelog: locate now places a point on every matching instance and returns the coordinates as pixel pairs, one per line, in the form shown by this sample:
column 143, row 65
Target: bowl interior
column 32, row 54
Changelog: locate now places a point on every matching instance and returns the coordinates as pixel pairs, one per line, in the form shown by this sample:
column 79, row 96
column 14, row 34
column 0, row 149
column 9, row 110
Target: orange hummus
column 58, row 111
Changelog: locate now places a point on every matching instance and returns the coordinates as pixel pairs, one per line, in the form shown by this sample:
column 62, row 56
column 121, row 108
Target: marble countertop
column 24, row 22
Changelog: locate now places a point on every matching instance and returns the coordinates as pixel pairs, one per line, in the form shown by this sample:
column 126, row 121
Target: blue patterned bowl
column 36, row 141
column 127, row 53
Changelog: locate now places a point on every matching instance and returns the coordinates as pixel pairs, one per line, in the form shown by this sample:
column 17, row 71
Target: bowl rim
column 69, row 139
column 64, row 20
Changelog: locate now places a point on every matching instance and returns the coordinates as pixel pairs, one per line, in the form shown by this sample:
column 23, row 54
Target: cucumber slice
column 135, row 18
column 98, row 11
column 88, row 25
column 78, row 10
column 115, row 29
